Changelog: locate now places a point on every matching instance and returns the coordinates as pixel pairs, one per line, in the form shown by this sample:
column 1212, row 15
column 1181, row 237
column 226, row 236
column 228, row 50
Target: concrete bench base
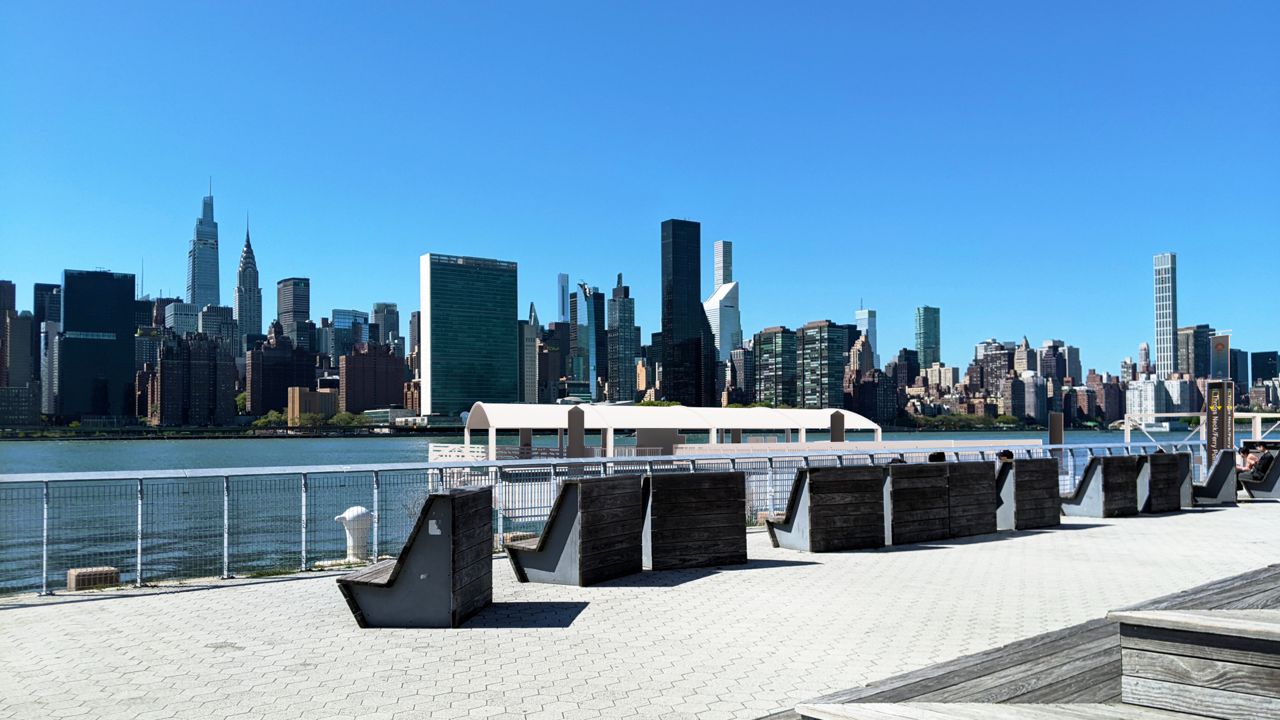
column 92, row 577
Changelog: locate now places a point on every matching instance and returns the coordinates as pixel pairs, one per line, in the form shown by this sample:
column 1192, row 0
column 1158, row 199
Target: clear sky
column 1016, row 164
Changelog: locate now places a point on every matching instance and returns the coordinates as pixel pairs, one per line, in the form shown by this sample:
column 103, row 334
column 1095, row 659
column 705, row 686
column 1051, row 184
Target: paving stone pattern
column 736, row 642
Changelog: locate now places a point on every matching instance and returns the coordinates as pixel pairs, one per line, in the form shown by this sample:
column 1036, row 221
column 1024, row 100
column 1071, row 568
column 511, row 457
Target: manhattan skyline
column 1022, row 186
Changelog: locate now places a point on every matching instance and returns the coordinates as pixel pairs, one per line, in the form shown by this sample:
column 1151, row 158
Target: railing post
column 44, row 543
column 497, row 501
column 303, row 553
column 377, row 511
column 226, row 527
column 137, row 579
column 769, row 487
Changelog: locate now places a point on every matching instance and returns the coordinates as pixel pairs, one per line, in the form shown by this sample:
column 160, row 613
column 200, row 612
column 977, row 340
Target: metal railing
column 220, row 523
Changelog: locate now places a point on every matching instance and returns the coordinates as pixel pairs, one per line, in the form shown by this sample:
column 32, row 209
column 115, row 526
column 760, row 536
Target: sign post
column 1220, row 416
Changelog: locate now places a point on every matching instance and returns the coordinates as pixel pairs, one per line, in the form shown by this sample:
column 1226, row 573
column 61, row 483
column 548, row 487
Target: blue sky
column 1016, row 164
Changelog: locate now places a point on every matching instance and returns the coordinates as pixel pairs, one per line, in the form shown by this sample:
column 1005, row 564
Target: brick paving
column 716, row 644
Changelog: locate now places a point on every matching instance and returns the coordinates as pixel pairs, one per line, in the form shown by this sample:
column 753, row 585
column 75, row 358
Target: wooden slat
column 1209, row 647
column 1221, row 704
column 1217, row 674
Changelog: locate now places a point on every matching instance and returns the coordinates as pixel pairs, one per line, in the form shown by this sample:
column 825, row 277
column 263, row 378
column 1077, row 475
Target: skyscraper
column 530, row 332
column 1166, row 282
column 775, row 351
column 1193, row 350
column 202, row 259
column 820, row 351
column 588, row 339
column 688, row 347
column 182, row 318
column 928, row 335
column 386, row 315
column 193, row 384
column 96, row 345
column 1263, row 366
column 8, row 296
column 865, row 320
column 721, row 308
column 622, row 344
column 217, row 322
column 562, row 297
column 248, row 301
column 469, row 344
column 293, row 308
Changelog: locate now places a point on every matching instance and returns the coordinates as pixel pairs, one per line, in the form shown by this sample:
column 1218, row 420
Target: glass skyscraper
column 688, row 345
column 96, row 345
column 469, row 333
column 865, row 321
column 928, row 335
column 723, row 314
column 1166, row 282
column 202, row 259
column 622, row 344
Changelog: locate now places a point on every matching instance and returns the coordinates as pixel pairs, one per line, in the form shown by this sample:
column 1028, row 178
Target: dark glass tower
column 688, row 347
column 469, row 333
column 623, row 348
column 95, row 354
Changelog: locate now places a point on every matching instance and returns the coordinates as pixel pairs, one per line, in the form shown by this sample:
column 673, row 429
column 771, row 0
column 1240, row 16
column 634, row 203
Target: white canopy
column 515, row 416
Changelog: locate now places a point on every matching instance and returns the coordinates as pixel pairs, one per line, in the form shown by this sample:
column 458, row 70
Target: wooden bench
column 1028, row 494
column 1212, row 663
column 831, row 509
column 694, row 520
column 592, row 534
column 1109, row 488
column 1220, row 487
column 1266, row 486
column 444, row 573
column 919, row 501
column 1160, row 478
column 971, row 498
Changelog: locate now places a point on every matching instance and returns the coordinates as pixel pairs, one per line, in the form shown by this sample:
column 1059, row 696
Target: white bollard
column 357, row 521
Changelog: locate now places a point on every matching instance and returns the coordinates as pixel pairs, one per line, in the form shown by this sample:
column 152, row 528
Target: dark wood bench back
column 611, row 515
column 921, row 509
column 1119, row 485
column 971, row 498
column 846, row 507
column 695, row 520
column 1036, row 500
column 1164, row 482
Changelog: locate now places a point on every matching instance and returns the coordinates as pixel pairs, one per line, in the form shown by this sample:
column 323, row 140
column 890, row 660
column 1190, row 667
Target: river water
column 94, row 523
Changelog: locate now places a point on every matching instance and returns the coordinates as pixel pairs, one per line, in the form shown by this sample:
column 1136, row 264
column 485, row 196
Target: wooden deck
column 1079, row 664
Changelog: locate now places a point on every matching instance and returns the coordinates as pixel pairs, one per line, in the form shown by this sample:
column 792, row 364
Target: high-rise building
column 562, row 298
column 865, row 320
column 182, row 318
column 370, row 378
column 18, row 367
column 1144, row 359
column 96, row 345
column 469, row 344
column 248, row 301
column 293, row 301
column 1166, row 284
column 202, row 259
column 622, row 344
column 1264, row 366
column 194, row 383
column 905, row 368
column 46, row 306
column 820, row 347
column 1193, row 350
column 1240, row 370
column 386, row 315
column 688, row 347
column 588, row 339
column 1025, row 358
column 723, row 314
column 861, row 357
column 776, row 361
column 530, row 334
column 49, row 331
column 219, row 322
column 273, row 367
column 928, row 335
column 8, row 296
column 742, row 377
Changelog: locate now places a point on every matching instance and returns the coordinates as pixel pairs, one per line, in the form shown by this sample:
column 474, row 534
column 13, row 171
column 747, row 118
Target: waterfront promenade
column 734, row 643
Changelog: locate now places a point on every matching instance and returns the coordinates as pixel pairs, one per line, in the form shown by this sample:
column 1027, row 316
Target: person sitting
column 1255, row 467
column 1251, row 458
